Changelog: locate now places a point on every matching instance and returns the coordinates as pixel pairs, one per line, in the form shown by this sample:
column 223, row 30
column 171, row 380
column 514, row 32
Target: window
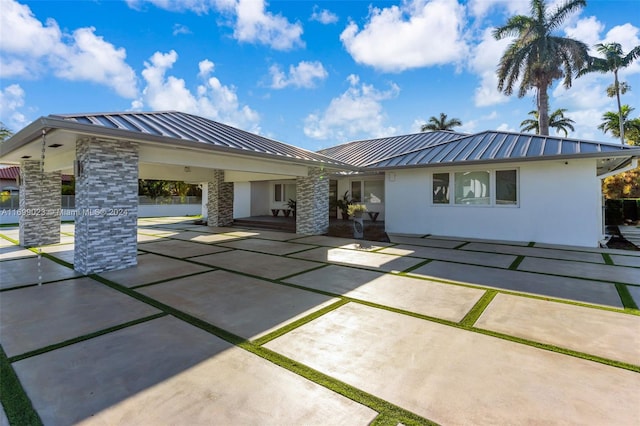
column 356, row 191
column 441, row 188
column 279, row 193
column 472, row 188
column 476, row 188
column 506, row 187
column 374, row 191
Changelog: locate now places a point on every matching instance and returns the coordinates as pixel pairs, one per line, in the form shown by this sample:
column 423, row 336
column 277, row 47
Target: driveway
column 251, row 327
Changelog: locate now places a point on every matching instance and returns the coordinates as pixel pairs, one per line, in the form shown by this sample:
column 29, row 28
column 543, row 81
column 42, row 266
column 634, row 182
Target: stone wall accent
column 40, row 198
column 219, row 200
column 106, row 205
column 312, row 194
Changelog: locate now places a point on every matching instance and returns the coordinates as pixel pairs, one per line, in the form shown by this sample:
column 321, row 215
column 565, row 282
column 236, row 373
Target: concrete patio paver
column 204, row 237
column 607, row 334
column 536, row 252
column 181, row 249
column 323, row 240
column 527, row 282
column 20, row 272
column 359, row 258
column 424, row 297
column 635, row 293
column 620, row 260
column 35, row 317
column 12, row 251
column 152, row 268
column 166, row 371
column 266, row 235
column 609, row 273
column 476, row 258
column 267, row 246
column 63, row 252
column 258, row 264
column 425, row 242
column 3, row 417
column 453, row 376
column 228, row 301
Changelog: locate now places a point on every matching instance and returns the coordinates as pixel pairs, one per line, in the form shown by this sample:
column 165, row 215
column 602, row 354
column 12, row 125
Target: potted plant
column 356, row 210
column 292, row 204
column 344, row 204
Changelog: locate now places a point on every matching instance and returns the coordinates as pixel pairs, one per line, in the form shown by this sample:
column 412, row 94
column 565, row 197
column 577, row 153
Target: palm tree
column 611, row 122
column 537, row 57
column 614, row 60
column 557, row 121
column 441, row 123
column 5, row 133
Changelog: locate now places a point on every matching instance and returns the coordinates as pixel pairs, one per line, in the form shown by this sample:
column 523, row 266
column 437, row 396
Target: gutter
column 633, row 164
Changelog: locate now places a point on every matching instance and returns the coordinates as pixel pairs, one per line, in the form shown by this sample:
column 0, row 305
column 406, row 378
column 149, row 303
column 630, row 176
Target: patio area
column 243, row 326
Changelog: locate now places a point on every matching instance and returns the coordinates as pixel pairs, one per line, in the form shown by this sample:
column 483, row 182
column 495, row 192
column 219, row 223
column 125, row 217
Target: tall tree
column 5, row 133
column 557, row 121
column 620, row 122
column 614, row 60
column 537, row 57
column 441, row 123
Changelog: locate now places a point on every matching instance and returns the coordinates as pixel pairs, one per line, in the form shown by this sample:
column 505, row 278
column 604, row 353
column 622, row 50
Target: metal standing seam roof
column 364, row 152
column 492, row 146
column 188, row 127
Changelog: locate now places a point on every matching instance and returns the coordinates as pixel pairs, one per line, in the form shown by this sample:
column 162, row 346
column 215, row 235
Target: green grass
column 625, row 297
column 607, row 259
column 15, row 401
column 514, row 265
column 472, row 316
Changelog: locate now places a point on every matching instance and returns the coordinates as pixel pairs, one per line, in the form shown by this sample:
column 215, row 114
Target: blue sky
column 309, row 73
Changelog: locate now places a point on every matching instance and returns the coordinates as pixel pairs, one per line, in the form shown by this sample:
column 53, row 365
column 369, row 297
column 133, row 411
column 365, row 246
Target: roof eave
column 630, row 153
column 34, row 130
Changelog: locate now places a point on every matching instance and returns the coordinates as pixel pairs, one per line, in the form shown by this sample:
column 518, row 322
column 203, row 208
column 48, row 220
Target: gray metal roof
column 191, row 128
column 493, row 146
column 364, row 152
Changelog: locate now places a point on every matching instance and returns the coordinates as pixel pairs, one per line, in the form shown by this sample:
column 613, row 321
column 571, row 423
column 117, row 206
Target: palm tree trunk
column 543, row 109
column 620, row 117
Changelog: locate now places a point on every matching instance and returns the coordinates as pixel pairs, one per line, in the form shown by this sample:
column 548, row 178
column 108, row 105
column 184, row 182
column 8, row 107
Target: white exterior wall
column 260, row 193
column 558, row 204
column 241, row 199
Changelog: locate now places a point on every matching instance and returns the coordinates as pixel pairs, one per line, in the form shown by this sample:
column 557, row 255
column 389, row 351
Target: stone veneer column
column 312, row 210
column 220, row 200
column 106, row 205
column 40, row 199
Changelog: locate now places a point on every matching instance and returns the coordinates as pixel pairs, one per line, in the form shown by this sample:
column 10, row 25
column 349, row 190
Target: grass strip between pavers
column 472, row 316
column 298, row 323
column 11, row 240
column 514, row 265
column 625, row 297
column 315, row 376
column 15, row 401
column 607, row 259
column 84, row 337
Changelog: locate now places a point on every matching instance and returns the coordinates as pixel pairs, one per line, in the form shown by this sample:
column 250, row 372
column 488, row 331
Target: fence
column 12, row 202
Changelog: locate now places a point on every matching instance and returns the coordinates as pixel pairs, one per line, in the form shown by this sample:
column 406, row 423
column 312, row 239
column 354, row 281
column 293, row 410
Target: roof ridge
column 390, row 137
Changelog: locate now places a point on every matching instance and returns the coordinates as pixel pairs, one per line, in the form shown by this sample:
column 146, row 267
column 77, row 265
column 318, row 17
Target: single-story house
column 490, row 185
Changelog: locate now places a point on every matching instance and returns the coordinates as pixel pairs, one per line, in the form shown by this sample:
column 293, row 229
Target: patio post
column 312, row 211
column 40, row 198
column 220, row 200
column 106, row 205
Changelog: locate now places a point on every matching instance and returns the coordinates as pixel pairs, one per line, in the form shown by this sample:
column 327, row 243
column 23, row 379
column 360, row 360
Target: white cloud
column 504, row 127
column 11, row 101
column 484, row 61
column 30, row 49
column 180, row 29
column 357, row 112
column 211, row 99
column 480, row 8
column 253, row 23
column 418, row 33
column 305, row 74
column 323, row 16
column 587, row 30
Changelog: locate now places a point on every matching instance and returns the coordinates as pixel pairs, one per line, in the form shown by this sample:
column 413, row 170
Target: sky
column 308, row 73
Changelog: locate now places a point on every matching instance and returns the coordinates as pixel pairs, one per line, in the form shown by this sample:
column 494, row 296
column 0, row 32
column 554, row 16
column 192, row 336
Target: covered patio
column 108, row 153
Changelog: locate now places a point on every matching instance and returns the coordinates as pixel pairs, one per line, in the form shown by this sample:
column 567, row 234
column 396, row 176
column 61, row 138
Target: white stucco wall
column 241, row 199
column 558, row 204
column 260, row 192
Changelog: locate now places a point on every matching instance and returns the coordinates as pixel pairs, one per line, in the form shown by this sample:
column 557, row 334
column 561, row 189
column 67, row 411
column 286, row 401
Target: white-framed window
column 282, row 192
column 476, row 187
column 367, row 191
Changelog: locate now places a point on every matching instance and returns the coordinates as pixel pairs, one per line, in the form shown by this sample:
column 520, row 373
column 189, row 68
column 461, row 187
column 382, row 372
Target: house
column 9, row 180
column 490, row 185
